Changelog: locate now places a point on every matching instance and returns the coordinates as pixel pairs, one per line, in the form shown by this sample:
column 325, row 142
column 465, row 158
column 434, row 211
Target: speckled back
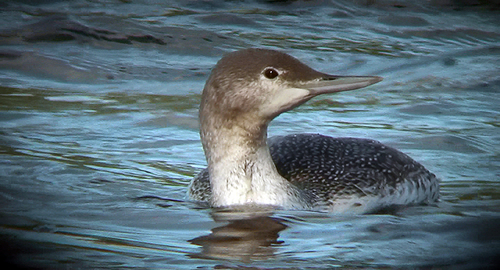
column 328, row 169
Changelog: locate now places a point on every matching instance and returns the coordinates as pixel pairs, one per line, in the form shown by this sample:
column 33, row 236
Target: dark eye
column 271, row 73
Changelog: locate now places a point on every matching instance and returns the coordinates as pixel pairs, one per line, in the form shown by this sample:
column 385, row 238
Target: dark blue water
column 99, row 135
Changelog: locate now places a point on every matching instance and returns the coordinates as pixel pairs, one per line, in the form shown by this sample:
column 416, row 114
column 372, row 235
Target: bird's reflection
column 249, row 234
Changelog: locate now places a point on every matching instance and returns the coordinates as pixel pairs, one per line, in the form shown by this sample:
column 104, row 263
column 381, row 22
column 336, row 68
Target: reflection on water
column 99, row 135
column 404, row 240
column 246, row 236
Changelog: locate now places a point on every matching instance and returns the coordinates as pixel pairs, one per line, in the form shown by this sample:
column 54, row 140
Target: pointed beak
column 332, row 84
column 299, row 92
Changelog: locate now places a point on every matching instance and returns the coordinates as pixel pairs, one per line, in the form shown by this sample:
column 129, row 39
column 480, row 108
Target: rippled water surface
column 99, row 135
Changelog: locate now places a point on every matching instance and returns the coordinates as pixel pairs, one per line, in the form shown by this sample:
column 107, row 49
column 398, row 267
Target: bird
column 245, row 91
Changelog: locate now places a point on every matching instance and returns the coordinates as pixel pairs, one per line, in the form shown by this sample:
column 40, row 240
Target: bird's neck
column 240, row 165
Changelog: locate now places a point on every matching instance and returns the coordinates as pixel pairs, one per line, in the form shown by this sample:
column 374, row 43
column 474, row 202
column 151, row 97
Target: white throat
column 242, row 173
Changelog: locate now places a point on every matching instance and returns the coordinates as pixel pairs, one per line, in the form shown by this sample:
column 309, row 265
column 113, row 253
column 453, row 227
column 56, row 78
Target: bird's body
column 300, row 171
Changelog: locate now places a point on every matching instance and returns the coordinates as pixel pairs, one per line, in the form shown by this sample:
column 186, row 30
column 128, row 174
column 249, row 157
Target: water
column 99, row 135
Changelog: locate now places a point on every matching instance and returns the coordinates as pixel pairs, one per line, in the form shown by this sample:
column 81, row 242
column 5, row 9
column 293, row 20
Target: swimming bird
column 244, row 92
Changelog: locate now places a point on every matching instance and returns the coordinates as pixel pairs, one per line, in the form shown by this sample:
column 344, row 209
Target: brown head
column 248, row 88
